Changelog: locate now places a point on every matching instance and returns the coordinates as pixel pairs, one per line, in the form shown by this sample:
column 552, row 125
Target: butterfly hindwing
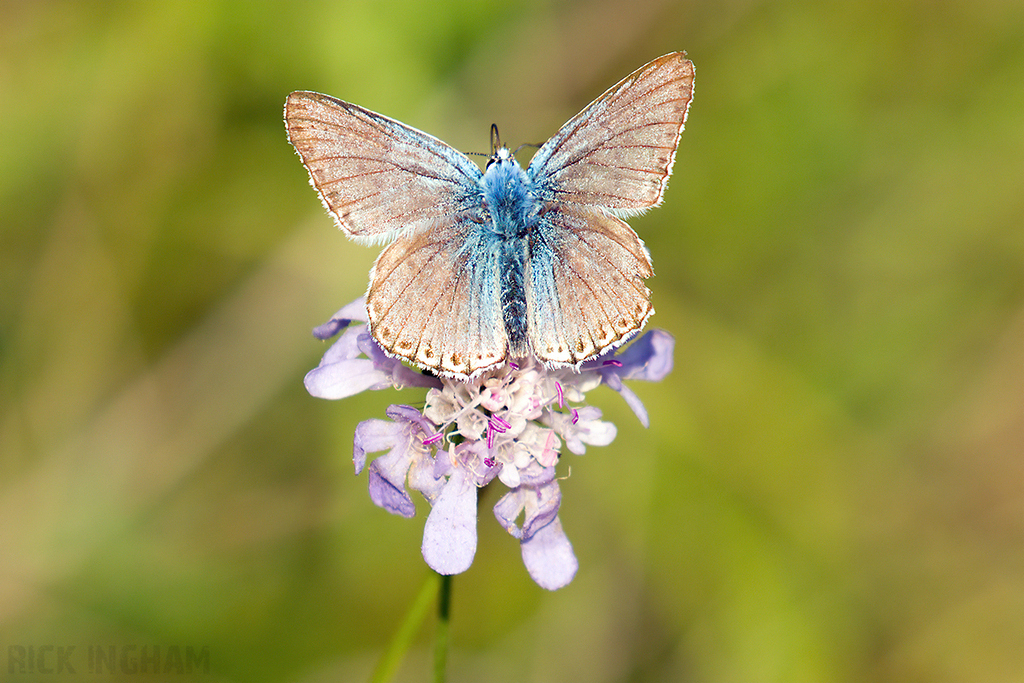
column 586, row 288
column 618, row 152
column 434, row 299
column 378, row 177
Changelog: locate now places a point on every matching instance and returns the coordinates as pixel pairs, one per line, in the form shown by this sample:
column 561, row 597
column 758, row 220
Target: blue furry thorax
column 508, row 195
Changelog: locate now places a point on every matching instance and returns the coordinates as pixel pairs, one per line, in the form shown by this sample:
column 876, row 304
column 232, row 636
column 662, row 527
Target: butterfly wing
column 586, row 288
column 618, row 152
column 434, row 299
column 376, row 176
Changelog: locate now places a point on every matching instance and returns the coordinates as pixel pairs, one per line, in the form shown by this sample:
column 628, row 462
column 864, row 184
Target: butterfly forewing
column 376, row 176
column 434, row 299
column 618, row 152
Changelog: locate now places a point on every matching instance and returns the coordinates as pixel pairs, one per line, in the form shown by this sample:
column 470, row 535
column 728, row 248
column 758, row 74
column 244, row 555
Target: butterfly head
column 499, row 152
column 502, row 154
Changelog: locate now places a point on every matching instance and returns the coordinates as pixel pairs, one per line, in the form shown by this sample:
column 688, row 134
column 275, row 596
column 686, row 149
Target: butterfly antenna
column 495, row 144
column 526, row 144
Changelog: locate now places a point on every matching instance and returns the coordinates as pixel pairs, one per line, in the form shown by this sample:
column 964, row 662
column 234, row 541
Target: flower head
column 508, row 423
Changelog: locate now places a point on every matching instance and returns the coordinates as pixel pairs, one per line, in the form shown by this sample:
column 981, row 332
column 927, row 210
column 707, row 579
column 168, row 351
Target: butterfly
column 482, row 268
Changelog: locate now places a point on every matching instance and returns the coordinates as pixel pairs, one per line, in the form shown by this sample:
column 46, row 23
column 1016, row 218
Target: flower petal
column 649, row 357
column 507, row 509
column 598, row 432
column 345, row 378
column 404, row 413
column 346, row 347
column 423, row 477
column 385, row 494
column 509, row 475
column 403, row 376
column 342, row 373
column 549, row 558
column 449, row 536
column 542, row 506
column 535, row 475
column 355, row 311
column 634, row 402
column 588, row 429
column 372, row 436
column 387, row 481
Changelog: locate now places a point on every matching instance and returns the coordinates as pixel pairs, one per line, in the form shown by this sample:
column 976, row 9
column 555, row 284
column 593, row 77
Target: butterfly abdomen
column 513, row 296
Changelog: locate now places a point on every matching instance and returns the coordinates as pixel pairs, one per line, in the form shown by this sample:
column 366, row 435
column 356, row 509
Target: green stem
column 444, row 602
column 399, row 646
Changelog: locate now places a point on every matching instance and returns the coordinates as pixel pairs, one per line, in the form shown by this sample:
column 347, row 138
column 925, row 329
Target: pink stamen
column 499, row 424
column 549, row 455
column 616, row 363
column 575, row 416
column 432, row 439
column 490, row 436
column 561, row 396
column 490, row 462
column 513, row 365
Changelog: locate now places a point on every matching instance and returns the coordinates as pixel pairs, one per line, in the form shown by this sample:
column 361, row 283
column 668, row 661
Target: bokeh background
column 832, row 488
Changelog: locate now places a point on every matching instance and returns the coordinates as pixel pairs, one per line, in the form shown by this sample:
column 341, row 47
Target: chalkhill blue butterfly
column 486, row 267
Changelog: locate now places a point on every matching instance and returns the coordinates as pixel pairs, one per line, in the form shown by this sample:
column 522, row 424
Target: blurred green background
column 833, row 485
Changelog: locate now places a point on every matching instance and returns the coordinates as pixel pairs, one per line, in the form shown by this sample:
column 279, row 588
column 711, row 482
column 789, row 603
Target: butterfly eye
column 503, row 154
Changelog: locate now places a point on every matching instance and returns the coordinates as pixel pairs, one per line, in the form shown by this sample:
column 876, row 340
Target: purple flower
column 343, row 373
column 508, row 423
